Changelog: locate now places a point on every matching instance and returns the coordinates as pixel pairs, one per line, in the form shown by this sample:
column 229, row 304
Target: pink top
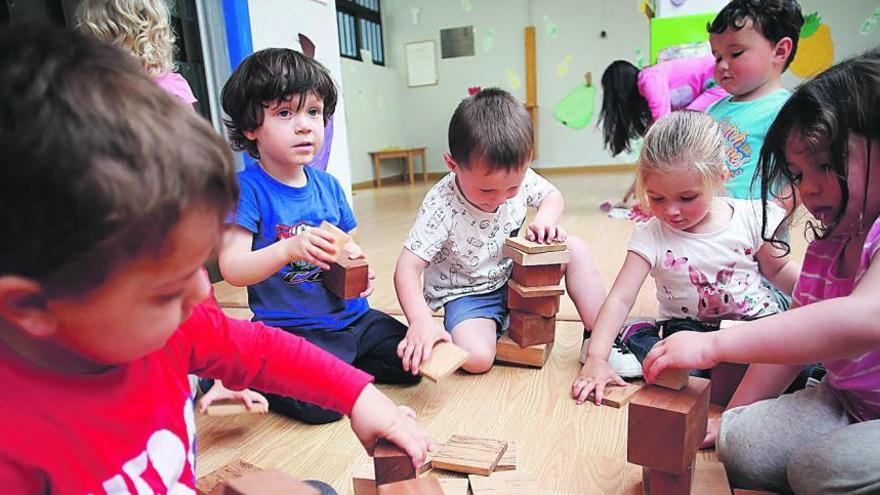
column 674, row 84
column 856, row 381
column 176, row 86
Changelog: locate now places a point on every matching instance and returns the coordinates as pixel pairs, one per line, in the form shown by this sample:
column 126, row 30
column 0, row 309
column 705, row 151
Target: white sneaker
column 621, row 360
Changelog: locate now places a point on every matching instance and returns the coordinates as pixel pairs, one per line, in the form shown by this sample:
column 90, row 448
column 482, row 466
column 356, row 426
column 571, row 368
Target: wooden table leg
column 424, row 167
column 409, row 167
column 377, row 171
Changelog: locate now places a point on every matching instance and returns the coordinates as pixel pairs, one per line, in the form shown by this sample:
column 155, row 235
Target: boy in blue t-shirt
column 753, row 41
column 278, row 102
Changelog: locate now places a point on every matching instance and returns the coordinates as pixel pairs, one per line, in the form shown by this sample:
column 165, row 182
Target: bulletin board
column 421, row 63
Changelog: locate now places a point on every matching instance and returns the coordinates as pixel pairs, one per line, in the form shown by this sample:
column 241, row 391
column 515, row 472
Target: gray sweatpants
column 802, row 442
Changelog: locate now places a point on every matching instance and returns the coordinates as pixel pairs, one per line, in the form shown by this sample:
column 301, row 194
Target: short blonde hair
column 142, row 27
column 683, row 139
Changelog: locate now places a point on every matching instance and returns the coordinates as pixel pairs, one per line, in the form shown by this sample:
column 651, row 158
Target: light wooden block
column 234, row 407
column 508, row 351
column 471, row 455
column 544, row 306
column 616, row 396
column 235, row 469
column 418, row 486
column 340, row 237
column 537, row 276
column 532, row 247
column 455, row 486
column 544, row 291
column 530, row 329
column 505, row 483
column 347, row 278
column 526, row 259
column 391, row 463
column 666, row 427
column 710, row 478
column 446, row 357
column 656, row 482
column 508, row 460
column 672, row 378
column 726, row 378
column 268, row 482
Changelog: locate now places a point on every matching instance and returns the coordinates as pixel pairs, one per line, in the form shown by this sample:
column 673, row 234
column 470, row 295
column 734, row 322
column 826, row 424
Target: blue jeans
column 490, row 306
column 643, row 340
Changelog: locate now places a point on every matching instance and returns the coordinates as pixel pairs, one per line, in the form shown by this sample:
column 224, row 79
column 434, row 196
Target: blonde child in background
column 826, row 144
column 464, row 219
column 143, row 28
column 102, row 290
column 706, row 252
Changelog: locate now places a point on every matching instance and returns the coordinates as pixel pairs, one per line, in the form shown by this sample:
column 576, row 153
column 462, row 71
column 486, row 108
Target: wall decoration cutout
column 562, row 68
column 466, row 5
column 640, row 59
column 488, row 40
column 513, row 79
column 871, row 22
column 576, row 109
column 815, row 49
column 415, row 12
column 550, row 27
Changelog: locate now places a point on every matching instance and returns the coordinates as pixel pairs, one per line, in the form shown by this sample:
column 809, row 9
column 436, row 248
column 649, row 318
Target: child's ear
column 251, row 135
column 783, row 49
column 24, row 304
column 450, row 162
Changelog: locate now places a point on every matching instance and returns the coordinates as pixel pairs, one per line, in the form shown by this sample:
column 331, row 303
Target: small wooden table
column 407, row 153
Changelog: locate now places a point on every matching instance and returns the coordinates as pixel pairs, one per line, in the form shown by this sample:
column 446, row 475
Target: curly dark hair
column 775, row 19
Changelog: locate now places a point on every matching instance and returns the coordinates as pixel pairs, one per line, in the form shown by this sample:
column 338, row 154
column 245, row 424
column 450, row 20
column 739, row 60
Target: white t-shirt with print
column 462, row 244
column 710, row 276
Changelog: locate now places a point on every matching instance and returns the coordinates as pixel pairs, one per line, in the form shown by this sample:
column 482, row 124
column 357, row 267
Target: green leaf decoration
column 576, row 109
column 811, row 24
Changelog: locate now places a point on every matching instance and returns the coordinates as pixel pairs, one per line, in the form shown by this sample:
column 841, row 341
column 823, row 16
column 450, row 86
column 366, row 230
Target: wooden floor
column 568, row 448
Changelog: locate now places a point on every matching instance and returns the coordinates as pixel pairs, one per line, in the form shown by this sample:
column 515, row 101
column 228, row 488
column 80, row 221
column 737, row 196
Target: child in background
column 101, row 281
column 278, row 102
column 464, row 219
column 753, row 41
column 143, row 28
column 706, row 252
column 826, row 144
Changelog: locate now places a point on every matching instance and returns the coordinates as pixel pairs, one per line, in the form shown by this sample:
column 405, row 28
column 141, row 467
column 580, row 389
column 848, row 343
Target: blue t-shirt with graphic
column 745, row 125
column 295, row 295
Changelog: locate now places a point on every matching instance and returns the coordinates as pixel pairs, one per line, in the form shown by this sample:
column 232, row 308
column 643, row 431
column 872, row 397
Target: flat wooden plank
column 471, row 455
column 504, row 483
column 341, row 238
column 672, row 378
column 428, row 485
column 543, row 291
column 446, row 357
column 508, row 351
column 269, row 482
column 710, row 478
column 532, row 247
column 232, row 470
column 527, row 259
column 616, row 396
column 235, row 407
column 508, row 460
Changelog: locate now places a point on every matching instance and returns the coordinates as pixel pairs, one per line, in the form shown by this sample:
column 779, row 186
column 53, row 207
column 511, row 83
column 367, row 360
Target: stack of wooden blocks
column 533, row 297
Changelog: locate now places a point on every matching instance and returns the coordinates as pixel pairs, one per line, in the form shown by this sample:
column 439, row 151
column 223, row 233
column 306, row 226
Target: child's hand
column 545, row 232
column 594, row 376
column 712, row 429
column 314, row 245
column 374, row 416
column 354, row 252
column 218, row 392
column 687, row 350
column 420, row 339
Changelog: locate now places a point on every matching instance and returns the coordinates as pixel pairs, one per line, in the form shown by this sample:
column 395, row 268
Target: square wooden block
column 666, row 427
column 269, row 482
column 532, row 247
column 234, row 407
column 530, row 329
column 347, row 278
column 508, row 351
column 235, row 469
column 656, row 482
column 472, row 455
column 543, row 291
column 545, row 306
column 725, row 380
column 537, row 276
column 391, row 463
column 446, row 357
column 526, row 259
column 419, row 486
column 363, row 479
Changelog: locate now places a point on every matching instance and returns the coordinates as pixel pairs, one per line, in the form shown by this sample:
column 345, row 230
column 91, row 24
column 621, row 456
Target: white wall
column 277, row 24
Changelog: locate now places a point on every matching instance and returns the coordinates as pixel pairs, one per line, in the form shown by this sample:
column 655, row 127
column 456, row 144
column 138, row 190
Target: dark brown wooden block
column 269, row 482
column 215, row 479
column 656, row 482
column 392, row 463
column 419, row 486
column 530, row 329
column 666, row 427
column 508, row 351
column 545, row 306
column 725, row 380
column 542, row 291
column 347, row 278
column 537, row 276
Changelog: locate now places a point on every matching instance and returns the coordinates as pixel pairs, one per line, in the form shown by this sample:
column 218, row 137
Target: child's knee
column 479, row 360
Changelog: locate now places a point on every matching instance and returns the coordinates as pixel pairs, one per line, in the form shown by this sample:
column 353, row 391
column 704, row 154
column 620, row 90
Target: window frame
column 359, row 13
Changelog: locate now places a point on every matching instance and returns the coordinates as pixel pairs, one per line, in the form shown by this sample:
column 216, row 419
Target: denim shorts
column 490, row 305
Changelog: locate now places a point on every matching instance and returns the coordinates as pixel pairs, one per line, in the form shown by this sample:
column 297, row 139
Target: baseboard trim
column 611, row 168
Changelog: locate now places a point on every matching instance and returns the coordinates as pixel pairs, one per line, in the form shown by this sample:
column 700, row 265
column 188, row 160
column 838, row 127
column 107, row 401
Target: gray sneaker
column 621, row 360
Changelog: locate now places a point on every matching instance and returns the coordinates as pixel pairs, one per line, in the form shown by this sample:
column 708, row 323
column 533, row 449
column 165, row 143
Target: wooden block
column 446, row 357
column 672, row 378
column 529, row 329
column 391, row 463
column 269, row 482
column 525, row 259
column 544, row 291
column 710, row 478
column 544, row 306
column 508, row 351
column 235, row 469
column 418, row 486
column 506, row 483
column 532, row 247
column 666, row 427
column 537, row 276
column 656, row 482
column 508, row 460
column 341, row 238
column 725, row 380
column 233, row 407
column 616, row 396
column 472, row 455
column 347, row 278
column 454, row 486
column 363, row 479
